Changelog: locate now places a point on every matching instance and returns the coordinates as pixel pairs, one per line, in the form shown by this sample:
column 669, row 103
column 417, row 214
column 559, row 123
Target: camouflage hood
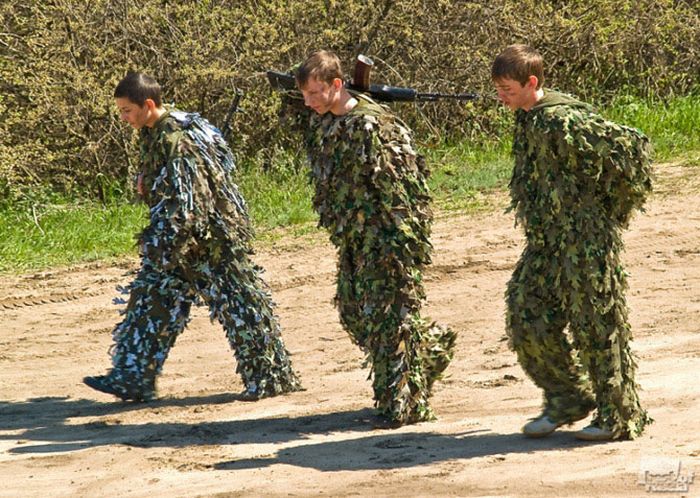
column 553, row 98
column 572, row 166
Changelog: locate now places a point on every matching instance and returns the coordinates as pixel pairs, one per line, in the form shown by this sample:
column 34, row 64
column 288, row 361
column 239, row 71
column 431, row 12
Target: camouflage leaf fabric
column 372, row 197
column 588, row 162
column 576, row 182
column 187, row 167
column 195, row 249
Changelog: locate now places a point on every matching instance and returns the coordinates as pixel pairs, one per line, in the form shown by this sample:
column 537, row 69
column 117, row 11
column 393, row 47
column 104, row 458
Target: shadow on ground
column 52, row 425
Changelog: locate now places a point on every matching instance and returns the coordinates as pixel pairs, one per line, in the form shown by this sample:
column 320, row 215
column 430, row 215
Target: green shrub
column 60, row 61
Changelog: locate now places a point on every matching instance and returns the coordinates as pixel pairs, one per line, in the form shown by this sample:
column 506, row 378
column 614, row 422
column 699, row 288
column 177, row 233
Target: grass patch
column 462, row 172
column 41, row 236
column 278, row 198
column 41, row 229
column 673, row 126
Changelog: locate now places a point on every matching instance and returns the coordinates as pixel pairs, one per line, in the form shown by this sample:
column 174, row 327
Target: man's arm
column 168, row 236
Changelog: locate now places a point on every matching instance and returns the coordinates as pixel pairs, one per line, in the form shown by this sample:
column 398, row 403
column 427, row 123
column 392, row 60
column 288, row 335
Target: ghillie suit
column 195, row 248
column 372, row 197
column 576, row 182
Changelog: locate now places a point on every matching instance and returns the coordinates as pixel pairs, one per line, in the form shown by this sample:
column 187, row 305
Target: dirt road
column 59, row 438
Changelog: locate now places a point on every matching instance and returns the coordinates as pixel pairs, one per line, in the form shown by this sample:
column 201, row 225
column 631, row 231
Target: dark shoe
column 380, row 422
column 103, row 384
column 100, row 383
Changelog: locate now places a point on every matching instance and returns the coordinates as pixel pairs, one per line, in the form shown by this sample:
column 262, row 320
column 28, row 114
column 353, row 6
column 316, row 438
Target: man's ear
column 533, row 82
column 150, row 104
column 337, row 83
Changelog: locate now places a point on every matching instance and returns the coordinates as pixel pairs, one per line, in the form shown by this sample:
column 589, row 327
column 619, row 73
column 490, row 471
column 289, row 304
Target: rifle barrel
column 281, row 81
column 383, row 93
column 454, row 96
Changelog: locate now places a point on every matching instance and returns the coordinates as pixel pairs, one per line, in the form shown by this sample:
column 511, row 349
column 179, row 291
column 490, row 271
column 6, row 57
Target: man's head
column 518, row 74
column 137, row 97
column 320, row 79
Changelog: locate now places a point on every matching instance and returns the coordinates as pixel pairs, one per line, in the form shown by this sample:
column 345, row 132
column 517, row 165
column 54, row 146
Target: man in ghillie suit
column 371, row 195
column 197, row 246
column 576, row 182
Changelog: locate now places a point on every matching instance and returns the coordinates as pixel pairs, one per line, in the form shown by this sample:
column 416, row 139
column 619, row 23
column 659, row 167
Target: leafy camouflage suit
column 577, row 179
column 371, row 195
column 196, row 246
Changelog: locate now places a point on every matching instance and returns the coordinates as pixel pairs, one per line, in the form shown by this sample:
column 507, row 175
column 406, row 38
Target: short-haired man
column 196, row 247
column 371, row 195
column 577, row 180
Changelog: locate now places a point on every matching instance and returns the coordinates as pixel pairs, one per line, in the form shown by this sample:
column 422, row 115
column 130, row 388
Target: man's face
column 514, row 95
column 321, row 96
column 137, row 116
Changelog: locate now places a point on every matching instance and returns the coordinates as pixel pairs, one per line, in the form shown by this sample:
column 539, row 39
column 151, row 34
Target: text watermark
column 664, row 475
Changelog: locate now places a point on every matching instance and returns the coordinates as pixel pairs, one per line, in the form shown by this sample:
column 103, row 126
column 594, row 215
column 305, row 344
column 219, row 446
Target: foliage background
column 60, row 61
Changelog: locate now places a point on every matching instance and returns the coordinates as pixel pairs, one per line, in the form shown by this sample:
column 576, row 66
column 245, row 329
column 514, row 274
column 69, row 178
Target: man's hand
column 139, row 184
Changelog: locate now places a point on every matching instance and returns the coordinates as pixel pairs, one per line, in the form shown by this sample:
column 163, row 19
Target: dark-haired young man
column 576, row 182
column 196, row 247
column 371, row 195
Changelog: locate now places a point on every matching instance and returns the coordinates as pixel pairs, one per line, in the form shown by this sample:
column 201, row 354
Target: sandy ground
column 59, row 438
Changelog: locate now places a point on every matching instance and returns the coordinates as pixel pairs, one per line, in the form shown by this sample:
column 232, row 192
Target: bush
column 61, row 59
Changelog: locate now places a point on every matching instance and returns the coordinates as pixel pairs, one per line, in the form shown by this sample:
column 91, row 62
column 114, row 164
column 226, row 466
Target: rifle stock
column 363, row 69
column 281, row 81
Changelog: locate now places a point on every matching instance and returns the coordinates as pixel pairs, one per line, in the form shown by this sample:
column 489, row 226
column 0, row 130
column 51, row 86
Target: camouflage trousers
column 591, row 366
column 407, row 355
column 158, row 311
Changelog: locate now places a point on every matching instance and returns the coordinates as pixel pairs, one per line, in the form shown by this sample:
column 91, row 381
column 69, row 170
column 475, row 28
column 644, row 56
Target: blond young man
column 372, row 197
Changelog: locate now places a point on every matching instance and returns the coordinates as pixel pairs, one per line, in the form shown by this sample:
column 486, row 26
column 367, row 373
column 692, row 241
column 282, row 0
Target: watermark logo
column 664, row 475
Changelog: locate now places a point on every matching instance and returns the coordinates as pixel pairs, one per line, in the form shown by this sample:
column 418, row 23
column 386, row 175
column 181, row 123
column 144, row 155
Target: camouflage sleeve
column 572, row 142
column 396, row 200
column 168, row 236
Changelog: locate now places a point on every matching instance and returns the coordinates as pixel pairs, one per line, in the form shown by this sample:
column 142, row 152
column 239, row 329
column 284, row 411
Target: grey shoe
column 541, row 426
column 594, row 433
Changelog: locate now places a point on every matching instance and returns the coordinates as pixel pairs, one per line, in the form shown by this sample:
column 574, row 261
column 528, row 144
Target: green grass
column 674, row 126
column 277, row 199
column 461, row 172
column 41, row 236
column 43, row 229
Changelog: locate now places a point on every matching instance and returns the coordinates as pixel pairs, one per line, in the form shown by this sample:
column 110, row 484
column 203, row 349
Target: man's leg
column 237, row 298
column 406, row 353
column 535, row 325
column 157, row 312
column 602, row 334
column 406, row 361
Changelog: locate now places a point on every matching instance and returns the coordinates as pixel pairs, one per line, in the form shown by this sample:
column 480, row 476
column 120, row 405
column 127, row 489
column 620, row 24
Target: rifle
column 233, row 108
column 361, row 84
